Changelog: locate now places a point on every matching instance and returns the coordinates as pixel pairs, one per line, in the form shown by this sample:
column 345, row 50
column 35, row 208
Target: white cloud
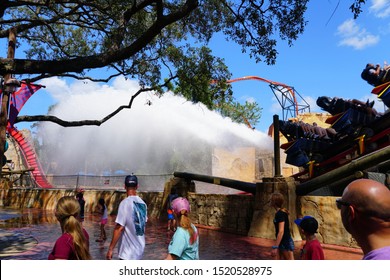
column 275, row 106
column 57, row 87
column 354, row 36
column 251, row 100
column 348, row 28
column 312, row 103
column 378, row 105
column 381, row 8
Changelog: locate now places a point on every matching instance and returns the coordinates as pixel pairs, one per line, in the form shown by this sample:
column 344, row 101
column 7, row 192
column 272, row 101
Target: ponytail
column 185, row 222
column 80, row 243
column 67, row 212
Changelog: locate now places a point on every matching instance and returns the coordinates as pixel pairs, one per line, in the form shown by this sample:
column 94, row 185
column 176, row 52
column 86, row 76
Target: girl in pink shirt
column 73, row 244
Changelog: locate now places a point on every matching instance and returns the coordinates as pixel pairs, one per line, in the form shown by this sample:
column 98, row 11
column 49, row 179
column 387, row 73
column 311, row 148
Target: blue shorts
column 287, row 245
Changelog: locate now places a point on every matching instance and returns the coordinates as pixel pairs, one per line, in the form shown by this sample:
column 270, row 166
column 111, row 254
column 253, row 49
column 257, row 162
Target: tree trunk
column 5, row 95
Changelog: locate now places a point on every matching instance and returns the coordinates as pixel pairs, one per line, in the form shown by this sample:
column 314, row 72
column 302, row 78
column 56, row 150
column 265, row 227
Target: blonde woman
column 73, row 244
column 284, row 245
column 185, row 242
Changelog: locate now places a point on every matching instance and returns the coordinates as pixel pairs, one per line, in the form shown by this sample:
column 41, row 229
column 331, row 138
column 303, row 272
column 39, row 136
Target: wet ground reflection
column 31, row 233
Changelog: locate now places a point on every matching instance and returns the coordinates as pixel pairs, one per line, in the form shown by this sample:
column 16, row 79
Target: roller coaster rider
column 375, row 75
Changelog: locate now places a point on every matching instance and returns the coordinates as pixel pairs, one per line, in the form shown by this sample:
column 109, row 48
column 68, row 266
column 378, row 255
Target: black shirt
column 282, row 216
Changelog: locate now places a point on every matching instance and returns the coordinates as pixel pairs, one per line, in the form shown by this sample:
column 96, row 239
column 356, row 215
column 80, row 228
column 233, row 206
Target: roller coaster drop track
column 30, row 158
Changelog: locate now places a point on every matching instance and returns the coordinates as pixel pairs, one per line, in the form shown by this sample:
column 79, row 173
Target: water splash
column 156, row 136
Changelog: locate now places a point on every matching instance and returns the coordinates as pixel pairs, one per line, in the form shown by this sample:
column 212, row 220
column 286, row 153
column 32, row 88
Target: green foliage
column 249, row 113
column 194, row 78
column 152, row 41
column 58, row 30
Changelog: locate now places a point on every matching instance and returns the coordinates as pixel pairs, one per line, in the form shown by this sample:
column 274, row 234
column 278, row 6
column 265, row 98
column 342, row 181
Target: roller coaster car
column 291, row 130
column 337, row 105
column 383, row 92
column 333, row 106
column 351, row 122
column 301, row 151
column 301, row 148
column 358, row 131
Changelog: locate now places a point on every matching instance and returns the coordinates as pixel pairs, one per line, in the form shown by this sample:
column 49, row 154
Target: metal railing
column 146, row 182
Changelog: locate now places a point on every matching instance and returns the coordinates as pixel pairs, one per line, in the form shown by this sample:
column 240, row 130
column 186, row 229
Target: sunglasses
column 340, row 202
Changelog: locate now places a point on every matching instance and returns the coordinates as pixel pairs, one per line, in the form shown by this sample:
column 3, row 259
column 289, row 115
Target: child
column 185, row 241
column 312, row 249
column 73, row 244
column 103, row 221
column 81, row 200
column 171, row 219
column 284, row 244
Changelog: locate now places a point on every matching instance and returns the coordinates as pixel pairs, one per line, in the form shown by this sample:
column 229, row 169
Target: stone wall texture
column 231, row 213
column 246, row 164
column 47, row 199
column 323, row 208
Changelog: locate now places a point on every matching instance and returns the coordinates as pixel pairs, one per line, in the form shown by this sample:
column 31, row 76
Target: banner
column 18, row 99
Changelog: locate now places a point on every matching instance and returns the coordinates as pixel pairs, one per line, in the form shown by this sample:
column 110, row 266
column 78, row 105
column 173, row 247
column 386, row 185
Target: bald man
column 365, row 212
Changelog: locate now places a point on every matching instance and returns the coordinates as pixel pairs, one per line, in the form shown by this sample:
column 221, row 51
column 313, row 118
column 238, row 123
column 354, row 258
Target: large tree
column 163, row 44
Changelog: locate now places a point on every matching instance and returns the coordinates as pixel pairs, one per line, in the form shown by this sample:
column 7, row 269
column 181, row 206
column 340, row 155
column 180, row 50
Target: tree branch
column 65, row 123
column 79, row 64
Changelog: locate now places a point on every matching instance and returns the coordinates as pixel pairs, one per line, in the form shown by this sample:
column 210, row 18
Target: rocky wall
column 323, row 208
column 330, row 227
column 231, row 213
column 47, row 199
column 263, row 215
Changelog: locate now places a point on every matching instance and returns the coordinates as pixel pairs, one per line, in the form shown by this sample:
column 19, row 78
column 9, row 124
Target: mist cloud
column 169, row 134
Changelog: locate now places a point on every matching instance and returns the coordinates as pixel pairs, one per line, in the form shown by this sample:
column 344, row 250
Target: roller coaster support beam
column 234, row 184
column 276, row 146
column 360, row 164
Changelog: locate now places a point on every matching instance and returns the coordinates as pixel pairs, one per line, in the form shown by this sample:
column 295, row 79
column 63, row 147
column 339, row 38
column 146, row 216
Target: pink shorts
column 103, row 221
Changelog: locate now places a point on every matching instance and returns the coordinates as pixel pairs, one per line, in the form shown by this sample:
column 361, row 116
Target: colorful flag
column 18, row 99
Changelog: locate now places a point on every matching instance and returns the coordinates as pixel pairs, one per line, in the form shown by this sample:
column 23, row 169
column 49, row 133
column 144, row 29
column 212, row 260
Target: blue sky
column 325, row 61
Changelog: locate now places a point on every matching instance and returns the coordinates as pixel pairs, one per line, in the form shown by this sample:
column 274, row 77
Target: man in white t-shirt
column 130, row 224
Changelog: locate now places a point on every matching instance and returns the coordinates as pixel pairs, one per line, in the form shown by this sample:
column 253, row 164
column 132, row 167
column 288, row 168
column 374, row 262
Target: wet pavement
column 30, row 235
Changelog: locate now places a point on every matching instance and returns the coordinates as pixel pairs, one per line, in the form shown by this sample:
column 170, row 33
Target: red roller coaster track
column 290, row 100
column 30, row 158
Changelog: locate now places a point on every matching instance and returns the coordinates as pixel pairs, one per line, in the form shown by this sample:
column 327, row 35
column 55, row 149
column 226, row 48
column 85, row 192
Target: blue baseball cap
column 307, row 223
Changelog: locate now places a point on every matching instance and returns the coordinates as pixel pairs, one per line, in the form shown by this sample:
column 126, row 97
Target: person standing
column 284, row 245
column 365, row 213
column 103, row 220
column 312, row 250
column 171, row 225
column 73, row 244
column 130, row 225
column 185, row 241
column 81, row 200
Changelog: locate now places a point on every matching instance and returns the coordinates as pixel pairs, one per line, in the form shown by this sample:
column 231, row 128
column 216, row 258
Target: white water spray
column 171, row 134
